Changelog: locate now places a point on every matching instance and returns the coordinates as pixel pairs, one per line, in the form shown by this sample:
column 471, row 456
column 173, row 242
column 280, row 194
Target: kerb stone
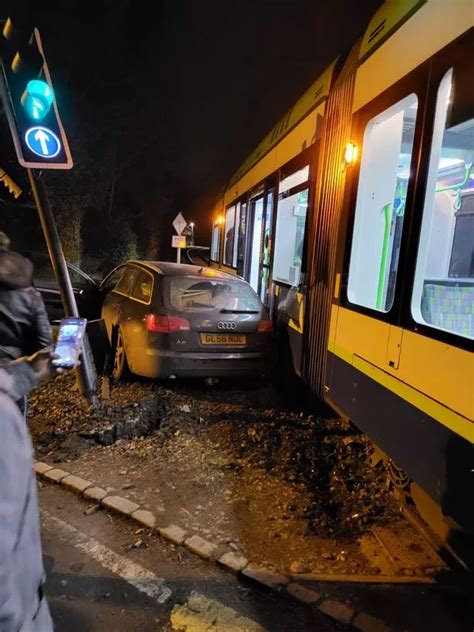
column 173, row 533
column 145, row 518
column 95, row 493
column 41, row 468
column 120, row 505
column 337, row 610
column 233, row 561
column 76, row 483
column 56, row 475
column 305, row 595
column 366, row 623
column 201, row 547
column 265, row 576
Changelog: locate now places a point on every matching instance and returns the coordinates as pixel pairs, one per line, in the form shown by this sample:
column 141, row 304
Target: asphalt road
column 97, row 580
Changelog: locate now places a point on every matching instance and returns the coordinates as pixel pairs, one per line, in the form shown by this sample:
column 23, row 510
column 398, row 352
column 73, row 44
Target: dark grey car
column 166, row 319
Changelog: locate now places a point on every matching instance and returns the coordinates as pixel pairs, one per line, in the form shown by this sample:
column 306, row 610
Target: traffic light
column 29, row 100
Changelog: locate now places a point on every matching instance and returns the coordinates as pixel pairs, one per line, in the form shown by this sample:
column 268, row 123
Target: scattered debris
column 91, row 510
column 299, row 567
column 276, row 484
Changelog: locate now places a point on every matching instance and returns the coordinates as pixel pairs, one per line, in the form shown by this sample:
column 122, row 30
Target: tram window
column 293, row 180
column 443, row 292
column 229, row 235
column 215, row 249
column 380, row 207
column 289, row 237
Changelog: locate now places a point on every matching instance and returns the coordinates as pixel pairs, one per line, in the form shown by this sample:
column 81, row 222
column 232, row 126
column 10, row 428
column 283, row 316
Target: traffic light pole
column 86, row 375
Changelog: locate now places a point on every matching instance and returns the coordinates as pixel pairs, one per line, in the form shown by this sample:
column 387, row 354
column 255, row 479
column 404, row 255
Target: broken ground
column 233, row 463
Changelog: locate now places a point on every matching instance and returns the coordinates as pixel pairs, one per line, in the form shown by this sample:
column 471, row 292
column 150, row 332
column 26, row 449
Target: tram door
column 261, row 217
column 256, row 213
column 266, row 256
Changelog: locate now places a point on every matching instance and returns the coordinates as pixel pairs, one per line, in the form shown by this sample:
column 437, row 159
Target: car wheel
column 120, row 369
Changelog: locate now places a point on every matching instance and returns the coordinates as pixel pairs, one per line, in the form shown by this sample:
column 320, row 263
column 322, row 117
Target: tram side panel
column 400, row 364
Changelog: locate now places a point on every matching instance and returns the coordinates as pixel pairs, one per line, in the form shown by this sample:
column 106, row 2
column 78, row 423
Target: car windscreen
column 197, row 294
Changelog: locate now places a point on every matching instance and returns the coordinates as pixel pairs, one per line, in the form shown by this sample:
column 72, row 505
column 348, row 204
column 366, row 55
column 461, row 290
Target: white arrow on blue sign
column 43, row 142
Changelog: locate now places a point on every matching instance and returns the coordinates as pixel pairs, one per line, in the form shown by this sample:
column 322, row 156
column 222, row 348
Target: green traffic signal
column 37, row 99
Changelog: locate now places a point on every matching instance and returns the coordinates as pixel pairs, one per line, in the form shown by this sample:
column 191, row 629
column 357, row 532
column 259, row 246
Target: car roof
column 167, row 268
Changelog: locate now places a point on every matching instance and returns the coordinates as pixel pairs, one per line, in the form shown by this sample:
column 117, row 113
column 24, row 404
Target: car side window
column 112, row 280
column 127, row 281
column 143, row 287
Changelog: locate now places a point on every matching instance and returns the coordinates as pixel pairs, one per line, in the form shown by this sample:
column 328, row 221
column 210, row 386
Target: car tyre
column 120, row 369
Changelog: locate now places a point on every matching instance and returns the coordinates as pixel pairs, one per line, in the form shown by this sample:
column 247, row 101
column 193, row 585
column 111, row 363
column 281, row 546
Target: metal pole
column 86, row 375
column 178, row 255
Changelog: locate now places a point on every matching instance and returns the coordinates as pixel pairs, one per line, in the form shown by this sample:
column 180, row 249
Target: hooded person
column 24, row 323
column 22, row 606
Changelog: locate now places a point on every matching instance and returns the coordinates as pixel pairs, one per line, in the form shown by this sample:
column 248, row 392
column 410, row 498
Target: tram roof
column 387, row 19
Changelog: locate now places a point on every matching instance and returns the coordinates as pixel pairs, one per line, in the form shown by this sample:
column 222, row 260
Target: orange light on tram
column 351, row 152
column 220, row 219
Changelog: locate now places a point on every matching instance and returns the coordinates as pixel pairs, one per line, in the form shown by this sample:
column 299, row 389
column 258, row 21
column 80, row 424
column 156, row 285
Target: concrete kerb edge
column 280, row 588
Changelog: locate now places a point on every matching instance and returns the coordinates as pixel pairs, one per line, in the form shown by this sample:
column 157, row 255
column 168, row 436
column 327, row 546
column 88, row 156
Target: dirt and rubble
column 233, row 463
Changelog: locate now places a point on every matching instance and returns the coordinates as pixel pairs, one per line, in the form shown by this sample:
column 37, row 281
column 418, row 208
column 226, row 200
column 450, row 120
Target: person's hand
column 42, row 364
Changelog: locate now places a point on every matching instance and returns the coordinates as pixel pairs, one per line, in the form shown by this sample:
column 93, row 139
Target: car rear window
column 200, row 294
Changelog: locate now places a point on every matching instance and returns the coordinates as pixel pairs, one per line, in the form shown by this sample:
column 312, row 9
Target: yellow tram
column 354, row 221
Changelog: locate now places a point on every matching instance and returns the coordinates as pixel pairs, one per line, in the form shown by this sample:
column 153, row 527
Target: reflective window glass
column 380, row 207
column 293, row 180
column 289, row 237
column 143, row 287
column 229, row 235
column 215, row 245
column 443, row 292
column 242, row 239
column 127, row 281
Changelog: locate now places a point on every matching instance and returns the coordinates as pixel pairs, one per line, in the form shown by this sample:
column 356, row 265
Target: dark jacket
column 24, row 324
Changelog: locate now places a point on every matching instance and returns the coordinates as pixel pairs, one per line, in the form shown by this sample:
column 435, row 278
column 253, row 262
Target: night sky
column 174, row 96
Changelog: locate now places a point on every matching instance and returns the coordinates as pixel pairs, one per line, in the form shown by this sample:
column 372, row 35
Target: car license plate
column 223, row 339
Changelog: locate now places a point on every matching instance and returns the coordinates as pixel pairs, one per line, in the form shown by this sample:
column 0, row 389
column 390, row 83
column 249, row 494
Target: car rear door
column 116, row 287
column 132, row 318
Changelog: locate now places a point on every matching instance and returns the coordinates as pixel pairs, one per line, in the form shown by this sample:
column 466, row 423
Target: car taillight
column 165, row 324
column 265, row 326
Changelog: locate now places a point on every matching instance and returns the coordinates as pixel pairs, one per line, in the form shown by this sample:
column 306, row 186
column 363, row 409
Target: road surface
column 98, row 581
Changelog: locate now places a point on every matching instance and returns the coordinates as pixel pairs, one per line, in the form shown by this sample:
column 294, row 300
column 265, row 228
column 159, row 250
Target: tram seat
column 449, row 305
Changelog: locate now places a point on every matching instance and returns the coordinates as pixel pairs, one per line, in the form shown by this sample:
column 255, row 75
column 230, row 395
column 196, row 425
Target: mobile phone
column 69, row 343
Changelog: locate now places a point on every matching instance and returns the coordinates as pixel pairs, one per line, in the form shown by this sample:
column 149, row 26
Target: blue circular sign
column 43, row 142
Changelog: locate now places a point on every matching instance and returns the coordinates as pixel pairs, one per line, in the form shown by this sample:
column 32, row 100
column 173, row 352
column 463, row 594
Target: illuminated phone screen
column 69, row 343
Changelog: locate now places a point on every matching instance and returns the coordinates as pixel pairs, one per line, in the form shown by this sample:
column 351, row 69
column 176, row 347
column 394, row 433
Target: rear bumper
column 159, row 363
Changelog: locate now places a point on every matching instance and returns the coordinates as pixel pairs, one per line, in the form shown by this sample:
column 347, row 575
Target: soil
column 233, row 463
